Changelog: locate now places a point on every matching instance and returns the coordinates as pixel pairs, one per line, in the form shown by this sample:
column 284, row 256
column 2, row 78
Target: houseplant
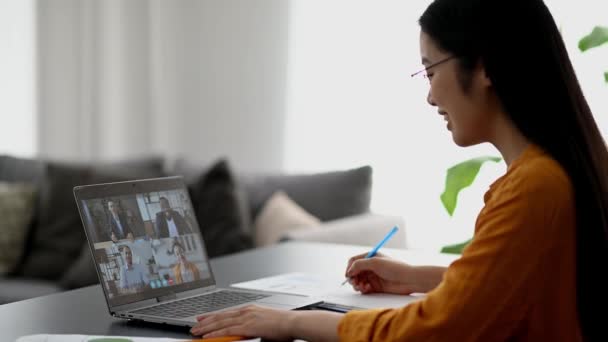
column 457, row 178
column 597, row 37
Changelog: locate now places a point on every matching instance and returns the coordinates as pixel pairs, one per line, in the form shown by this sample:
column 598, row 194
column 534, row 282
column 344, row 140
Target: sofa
column 43, row 247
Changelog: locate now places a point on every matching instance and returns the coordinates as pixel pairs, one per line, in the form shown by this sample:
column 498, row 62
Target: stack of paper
column 326, row 289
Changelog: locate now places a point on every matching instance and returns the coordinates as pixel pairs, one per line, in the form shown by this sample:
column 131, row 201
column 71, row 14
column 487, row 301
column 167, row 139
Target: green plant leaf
column 606, row 76
column 597, row 37
column 455, row 249
column 459, row 177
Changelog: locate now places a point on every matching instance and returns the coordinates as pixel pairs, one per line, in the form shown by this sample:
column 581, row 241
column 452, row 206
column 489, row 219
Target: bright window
column 17, row 83
column 352, row 102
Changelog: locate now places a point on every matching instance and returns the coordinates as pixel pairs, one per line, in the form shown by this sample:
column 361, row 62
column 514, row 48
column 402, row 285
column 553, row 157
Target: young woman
column 184, row 270
column 498, row 73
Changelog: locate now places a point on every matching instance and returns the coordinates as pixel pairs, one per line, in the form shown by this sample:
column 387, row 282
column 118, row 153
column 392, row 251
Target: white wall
column 224, row 63
column 200, row 79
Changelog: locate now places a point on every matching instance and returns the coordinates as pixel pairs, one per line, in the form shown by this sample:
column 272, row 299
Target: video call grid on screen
column 146, row 244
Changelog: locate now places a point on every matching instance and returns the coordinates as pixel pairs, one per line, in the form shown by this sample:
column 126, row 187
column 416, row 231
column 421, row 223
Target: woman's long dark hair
column 521, row 49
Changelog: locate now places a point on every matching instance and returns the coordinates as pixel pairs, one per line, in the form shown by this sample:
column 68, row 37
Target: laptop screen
column 145, row 239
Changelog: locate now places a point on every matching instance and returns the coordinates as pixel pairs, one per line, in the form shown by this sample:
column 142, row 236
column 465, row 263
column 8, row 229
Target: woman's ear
column 480, row 72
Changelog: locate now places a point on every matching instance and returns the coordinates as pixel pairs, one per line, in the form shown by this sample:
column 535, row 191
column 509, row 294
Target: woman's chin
column 463, row 142
column 458, row 139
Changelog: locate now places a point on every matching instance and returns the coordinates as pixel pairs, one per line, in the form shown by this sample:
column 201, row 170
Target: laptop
column 150, row 254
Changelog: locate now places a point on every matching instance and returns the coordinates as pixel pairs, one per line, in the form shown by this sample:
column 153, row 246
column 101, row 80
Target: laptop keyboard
column 200, row 304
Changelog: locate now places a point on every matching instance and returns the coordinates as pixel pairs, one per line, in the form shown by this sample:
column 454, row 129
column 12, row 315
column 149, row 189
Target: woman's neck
column 509, row 140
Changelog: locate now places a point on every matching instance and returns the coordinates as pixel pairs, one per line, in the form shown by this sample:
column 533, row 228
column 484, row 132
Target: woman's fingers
column 249, row 321
column 219, row 315
column 219, row 321
column 367, row 282
column 360, row 283
column 221, row 324
column 353, row 259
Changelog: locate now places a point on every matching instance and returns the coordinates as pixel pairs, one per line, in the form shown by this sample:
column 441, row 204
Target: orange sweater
column 516, row 281
column 177, row 272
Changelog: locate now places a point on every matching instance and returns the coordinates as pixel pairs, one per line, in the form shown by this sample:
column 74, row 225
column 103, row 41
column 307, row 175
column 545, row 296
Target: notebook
column 150, row 254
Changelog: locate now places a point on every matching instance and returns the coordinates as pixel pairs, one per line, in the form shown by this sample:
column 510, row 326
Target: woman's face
column 467, row 114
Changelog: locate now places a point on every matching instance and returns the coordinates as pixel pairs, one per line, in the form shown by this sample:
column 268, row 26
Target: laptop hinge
column 166, row 298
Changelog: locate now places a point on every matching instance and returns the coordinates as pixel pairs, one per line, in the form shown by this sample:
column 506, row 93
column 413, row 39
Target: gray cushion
column 57, row 238
column 192, row 172
column 327, row 196
column 14, row 169
column 82, row 272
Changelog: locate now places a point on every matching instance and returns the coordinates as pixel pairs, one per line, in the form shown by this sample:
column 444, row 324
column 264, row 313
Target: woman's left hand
column 248, row 321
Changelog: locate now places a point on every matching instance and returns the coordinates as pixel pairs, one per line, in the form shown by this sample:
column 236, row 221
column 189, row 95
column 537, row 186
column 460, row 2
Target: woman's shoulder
column 538, row 172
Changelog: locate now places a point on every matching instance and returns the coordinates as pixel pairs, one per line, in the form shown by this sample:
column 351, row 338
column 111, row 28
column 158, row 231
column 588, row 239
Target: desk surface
column 84, row 311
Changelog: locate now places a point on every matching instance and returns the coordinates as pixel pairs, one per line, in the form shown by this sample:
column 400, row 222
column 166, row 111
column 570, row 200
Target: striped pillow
column 17, row 202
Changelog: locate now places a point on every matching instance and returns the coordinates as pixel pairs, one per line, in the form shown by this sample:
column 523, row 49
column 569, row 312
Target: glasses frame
column 433, row 65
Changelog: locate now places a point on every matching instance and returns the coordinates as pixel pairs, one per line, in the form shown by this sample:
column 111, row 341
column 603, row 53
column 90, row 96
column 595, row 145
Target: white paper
column 295, row 283
column 87, row 338
column 347, row 296
column 327, row 289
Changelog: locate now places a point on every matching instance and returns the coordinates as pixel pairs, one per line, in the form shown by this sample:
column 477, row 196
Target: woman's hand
column 384, row 274
column 249, row 321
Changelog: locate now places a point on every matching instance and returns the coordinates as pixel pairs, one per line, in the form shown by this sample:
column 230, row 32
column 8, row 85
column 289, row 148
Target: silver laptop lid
column 145, row 240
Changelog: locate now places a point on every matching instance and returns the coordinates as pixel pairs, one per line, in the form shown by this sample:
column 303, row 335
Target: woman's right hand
column 383, row 274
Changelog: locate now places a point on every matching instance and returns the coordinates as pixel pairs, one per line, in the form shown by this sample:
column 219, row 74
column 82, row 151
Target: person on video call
column 170, row 223
column 132, row 276
column 185, row 271
column 120, row 228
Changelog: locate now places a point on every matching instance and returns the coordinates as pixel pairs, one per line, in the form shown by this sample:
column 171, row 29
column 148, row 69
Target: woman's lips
column 445, row 117
column 447, row 120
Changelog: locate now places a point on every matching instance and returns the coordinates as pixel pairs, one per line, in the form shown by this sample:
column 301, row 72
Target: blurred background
column 274, row 85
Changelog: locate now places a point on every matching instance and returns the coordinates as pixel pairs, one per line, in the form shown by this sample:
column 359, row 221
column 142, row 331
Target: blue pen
column 373, row 252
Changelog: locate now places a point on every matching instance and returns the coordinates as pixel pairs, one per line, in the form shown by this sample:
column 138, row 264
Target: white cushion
column 363, row 230
column 278, row 216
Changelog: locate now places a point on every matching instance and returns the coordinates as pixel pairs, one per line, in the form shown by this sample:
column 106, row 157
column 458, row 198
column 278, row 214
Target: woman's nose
column 429, row 99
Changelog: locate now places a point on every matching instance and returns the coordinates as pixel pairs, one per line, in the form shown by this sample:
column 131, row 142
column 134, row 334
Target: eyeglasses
column 423, row 71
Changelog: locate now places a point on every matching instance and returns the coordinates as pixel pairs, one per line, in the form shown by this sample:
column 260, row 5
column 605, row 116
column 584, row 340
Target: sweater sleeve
column 485, row 294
